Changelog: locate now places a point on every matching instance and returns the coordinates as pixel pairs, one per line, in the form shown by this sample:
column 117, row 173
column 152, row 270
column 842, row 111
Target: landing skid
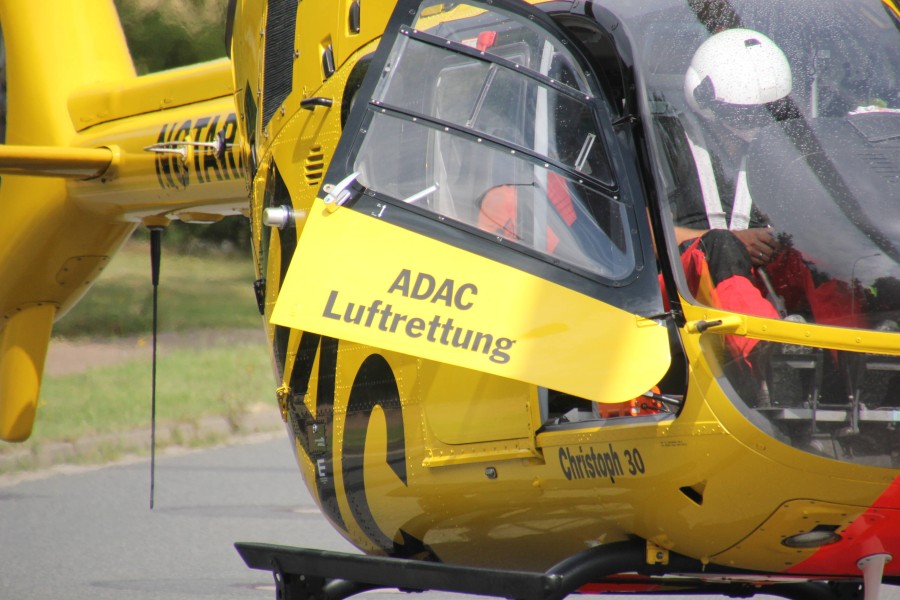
column 308, row 574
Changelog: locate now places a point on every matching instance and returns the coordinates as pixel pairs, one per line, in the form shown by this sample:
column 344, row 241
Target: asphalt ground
column 80, row 532
column 88, row 532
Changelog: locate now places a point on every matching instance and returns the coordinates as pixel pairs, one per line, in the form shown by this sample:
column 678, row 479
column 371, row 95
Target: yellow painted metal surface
column 23, row 347
column 448, row 305
column 77, row 110
column 150, row 93
column 673, row 481
column 44, row 161
column 177, row 174
column 462, row 406
column 836, row 338
column 446, row 442
column 791, row 518
column 53, row 52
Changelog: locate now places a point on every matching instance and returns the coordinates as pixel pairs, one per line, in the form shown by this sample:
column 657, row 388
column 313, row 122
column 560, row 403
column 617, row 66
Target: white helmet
column 732, row 73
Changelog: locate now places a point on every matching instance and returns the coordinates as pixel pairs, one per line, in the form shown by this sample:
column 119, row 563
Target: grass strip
column 109, row 404
column 190, row 383
column 208, row 291
column 101, row 412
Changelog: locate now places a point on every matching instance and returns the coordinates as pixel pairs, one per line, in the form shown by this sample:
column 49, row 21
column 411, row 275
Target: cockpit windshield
column 781, row 122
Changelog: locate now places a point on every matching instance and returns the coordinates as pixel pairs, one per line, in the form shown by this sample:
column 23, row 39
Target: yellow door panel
column 464, row 407
column 358, row 278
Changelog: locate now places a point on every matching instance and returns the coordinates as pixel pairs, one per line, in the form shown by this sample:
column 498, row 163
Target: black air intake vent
column 314, row 167
column 281, row 24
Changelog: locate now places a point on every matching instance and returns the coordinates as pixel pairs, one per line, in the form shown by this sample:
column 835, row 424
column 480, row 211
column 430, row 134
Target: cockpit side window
column 495, row 126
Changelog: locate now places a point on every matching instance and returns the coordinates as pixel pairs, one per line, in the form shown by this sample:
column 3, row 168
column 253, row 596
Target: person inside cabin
column 550, row 210
column 738, row 81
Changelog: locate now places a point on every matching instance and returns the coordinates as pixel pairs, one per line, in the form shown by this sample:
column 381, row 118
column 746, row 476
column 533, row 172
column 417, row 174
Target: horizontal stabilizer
column 49, row 161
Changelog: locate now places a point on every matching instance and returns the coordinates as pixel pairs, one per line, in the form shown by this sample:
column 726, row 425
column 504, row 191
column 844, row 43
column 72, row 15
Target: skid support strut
column 873, row 571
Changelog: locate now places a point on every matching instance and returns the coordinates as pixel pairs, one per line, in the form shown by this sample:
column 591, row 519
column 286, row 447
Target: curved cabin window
column 483, row 119
column 809, row 160
column 813, row 160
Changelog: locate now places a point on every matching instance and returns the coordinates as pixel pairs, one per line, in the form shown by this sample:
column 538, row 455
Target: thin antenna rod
column 155, row 255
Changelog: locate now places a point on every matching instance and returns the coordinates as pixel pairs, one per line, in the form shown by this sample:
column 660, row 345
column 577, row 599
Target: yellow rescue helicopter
column 563, row 296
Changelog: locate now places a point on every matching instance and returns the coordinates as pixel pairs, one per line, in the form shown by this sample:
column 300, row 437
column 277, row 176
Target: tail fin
column 50, row 248
column 91, row 151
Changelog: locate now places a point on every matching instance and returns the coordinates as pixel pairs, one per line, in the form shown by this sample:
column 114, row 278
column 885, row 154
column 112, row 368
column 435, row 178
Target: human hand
column 760, row 243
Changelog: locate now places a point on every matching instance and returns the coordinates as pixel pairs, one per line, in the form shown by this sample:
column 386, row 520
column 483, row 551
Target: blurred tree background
column 166, row 34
